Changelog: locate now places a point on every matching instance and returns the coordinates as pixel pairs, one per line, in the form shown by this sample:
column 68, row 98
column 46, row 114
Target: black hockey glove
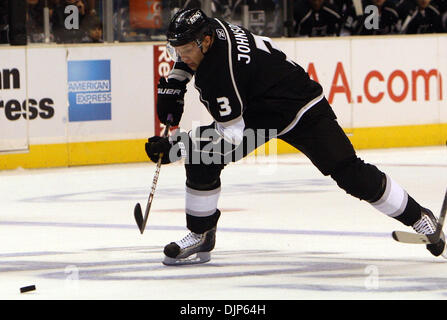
column 172, row 148
column 170, row 100
column 157, row 145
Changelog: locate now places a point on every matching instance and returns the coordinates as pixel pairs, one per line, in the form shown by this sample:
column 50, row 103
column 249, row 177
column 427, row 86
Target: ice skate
column 427, row 225
column 192, row 249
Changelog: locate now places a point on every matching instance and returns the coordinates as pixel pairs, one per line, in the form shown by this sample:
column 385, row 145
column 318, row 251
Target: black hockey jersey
column 246, row 77
column 309, row 22
column 418, row 21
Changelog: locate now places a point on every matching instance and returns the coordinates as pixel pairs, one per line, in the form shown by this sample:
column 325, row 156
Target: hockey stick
column 138, row 214
column 410, row 237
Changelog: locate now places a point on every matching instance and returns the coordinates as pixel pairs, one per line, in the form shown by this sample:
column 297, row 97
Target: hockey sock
column 396, row 203
column 201, row 224
column 201, row 209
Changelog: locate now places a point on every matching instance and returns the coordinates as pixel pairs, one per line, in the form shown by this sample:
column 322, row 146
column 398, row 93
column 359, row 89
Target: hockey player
column 247, row 84
column 316, row 18
column 419, row 16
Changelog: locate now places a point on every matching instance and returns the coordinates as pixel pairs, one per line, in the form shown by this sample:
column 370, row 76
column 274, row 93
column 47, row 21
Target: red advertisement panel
column 162, row 66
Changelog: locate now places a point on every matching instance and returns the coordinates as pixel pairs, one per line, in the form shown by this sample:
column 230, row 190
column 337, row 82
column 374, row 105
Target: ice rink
column 286, row 232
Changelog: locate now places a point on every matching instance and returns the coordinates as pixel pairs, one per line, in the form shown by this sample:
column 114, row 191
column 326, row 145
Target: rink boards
column 93, row 104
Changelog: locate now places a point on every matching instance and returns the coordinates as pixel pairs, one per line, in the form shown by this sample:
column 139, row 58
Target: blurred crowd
column 369, row 17
column 146, row 20
column 88, row 27
column 3, row 22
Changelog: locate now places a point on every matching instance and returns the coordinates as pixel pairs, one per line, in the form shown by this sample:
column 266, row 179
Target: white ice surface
column 286, row 232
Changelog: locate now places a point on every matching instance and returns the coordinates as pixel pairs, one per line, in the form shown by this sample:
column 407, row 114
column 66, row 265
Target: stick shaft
column 154, row 182
column 151, row 194
column 442, row 215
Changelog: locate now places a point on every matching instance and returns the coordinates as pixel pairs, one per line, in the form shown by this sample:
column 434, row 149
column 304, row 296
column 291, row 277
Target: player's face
column 190, row 54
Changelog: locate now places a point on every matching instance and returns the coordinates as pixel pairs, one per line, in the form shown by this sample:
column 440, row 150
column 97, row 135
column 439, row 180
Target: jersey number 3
column 224, row 104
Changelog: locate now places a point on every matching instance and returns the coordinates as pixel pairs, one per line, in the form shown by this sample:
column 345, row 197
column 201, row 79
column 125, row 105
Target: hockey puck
column 27, row 288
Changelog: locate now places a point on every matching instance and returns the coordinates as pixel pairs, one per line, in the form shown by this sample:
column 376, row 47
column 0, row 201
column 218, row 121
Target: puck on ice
column 27, row 288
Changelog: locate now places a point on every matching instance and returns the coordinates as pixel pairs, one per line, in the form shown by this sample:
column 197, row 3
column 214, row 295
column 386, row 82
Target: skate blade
column 444, row 253
column 200, row 257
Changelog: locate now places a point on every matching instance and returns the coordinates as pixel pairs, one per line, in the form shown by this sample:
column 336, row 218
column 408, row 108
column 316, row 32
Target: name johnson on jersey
column 242, row 43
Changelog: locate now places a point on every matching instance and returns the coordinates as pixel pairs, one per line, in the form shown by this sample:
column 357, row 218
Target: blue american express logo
column 89, row 90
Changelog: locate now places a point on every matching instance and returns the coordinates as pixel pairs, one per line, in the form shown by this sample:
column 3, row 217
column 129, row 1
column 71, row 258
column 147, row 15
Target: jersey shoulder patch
column 221, row 34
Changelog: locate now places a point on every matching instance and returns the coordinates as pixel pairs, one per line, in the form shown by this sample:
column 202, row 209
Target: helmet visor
column 177, row 52
column 172, row 52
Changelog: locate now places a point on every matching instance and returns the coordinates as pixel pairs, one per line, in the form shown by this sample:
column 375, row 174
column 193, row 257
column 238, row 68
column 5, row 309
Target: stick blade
column 410, row 237
column 138, row 214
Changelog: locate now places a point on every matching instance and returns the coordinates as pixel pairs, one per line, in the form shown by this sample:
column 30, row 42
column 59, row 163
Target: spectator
column 63, row 34
column 93, row 27
column 34, row 20
column 345, row 8
column 315, row 18
column 4, row 21
column 387, row 20
column 419, row 16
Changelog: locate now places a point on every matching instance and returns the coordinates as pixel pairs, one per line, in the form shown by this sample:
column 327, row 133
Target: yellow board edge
column 127, row 151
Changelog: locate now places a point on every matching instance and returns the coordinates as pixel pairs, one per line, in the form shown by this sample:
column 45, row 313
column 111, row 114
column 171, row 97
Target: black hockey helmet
column 187, row 25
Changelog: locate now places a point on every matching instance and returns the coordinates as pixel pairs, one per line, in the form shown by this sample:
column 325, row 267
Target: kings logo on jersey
column 89, row 90
column 221, row 34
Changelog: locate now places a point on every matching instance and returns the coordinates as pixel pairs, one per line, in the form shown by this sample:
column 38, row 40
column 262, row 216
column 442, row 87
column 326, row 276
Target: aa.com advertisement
column 376, row 82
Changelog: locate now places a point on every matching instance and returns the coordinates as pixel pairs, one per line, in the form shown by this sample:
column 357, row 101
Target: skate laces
column 191, row 239
column 424, row 225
